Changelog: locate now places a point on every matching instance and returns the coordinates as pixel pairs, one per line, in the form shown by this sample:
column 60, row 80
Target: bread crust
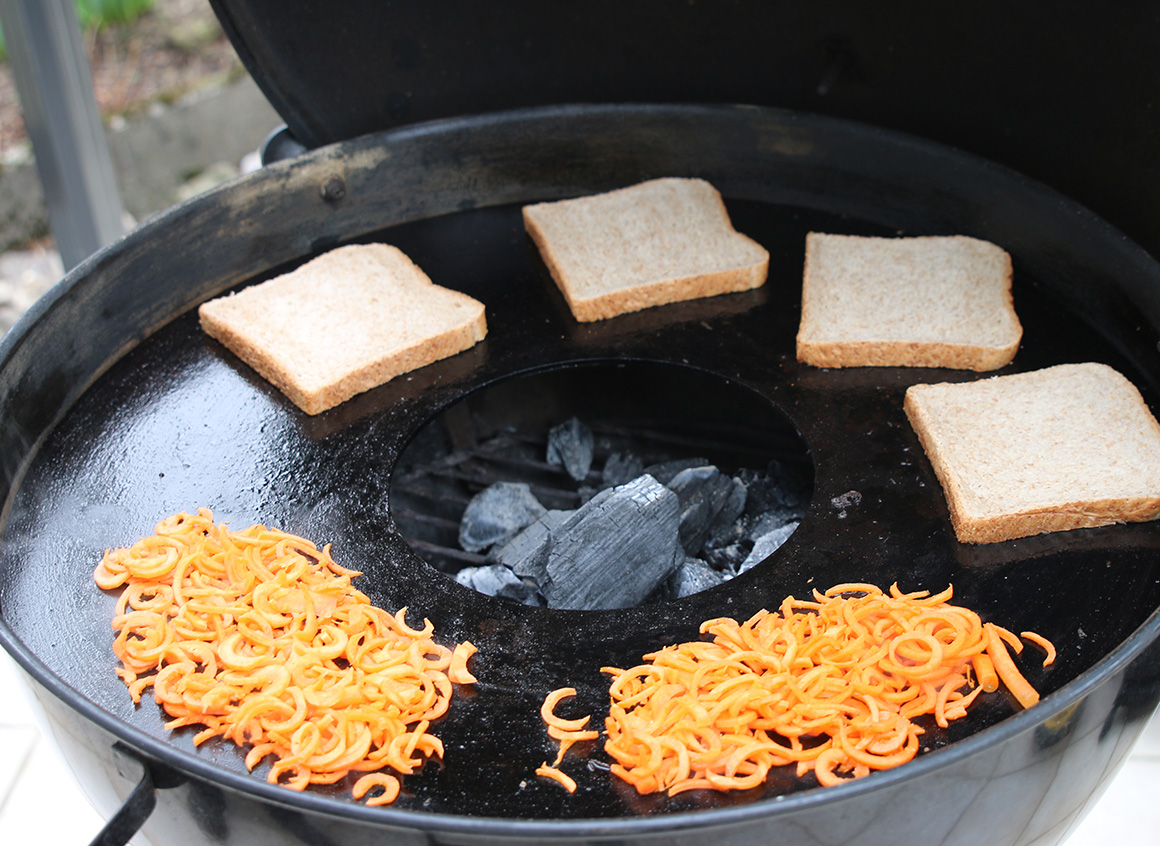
column 1005, row 517
column 830, row 333
column 905, row 354
column 744, row 264
column 353, row 298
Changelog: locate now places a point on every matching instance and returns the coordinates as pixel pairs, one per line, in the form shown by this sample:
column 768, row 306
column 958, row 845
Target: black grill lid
column 1065, row 97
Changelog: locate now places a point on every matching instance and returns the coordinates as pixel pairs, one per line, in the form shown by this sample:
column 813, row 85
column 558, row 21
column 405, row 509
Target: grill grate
column 428, row 498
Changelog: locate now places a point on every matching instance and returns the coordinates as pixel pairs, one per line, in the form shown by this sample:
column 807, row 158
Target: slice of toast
column 906, row 302
column 658, row 242
column 1066, row 447
column 343, row 323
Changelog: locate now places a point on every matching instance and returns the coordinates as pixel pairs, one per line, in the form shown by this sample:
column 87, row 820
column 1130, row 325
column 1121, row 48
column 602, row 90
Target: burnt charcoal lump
column 621, row 467
column 572, row 445
column 665, row 530
column 498, row 513
column 693, row 576
column 708, row 498
column 666, row 471
column 498, row 580
column 766, row 544
column 526, row 554
column 616, row 549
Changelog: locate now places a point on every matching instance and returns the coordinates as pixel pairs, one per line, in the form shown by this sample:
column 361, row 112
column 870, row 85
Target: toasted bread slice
column 906, row 302
column 658, row 242
column 1066, row 447
column 343, row 323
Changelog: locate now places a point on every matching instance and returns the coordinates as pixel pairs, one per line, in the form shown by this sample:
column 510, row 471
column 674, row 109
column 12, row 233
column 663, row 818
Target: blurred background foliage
column 95, row 14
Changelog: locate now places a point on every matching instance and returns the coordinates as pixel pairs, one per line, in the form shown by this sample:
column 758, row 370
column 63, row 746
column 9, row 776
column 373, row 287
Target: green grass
column 94, row 14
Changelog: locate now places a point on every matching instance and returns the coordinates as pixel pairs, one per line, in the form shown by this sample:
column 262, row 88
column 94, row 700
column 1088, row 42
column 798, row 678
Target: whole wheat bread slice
column 343, row 323
column 906, row 302
column 657, row 242
column 1065, row 447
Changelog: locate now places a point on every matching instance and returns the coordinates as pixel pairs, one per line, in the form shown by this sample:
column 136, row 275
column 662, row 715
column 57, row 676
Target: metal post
column 60, row 111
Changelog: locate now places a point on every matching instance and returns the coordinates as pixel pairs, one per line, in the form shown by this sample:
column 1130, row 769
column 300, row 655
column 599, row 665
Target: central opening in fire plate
column 601, row 486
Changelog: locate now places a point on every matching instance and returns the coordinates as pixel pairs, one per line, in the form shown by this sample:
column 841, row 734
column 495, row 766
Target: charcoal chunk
column 498, row 513
column 767, row 501
column 621, row 467
column 727, row 557
column 526, row 554
column 666, row 471
column 765, row 523
column 614, row 550
column 572, row 445
column 703, row 493
column 725, row 547
column 734, row 507
column 498, row 580
column 693, row 576
column 766, row 545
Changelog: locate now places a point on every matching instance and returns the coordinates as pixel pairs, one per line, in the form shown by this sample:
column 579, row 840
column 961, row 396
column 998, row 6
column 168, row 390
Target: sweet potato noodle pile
column 832, row 686
column 259, row 637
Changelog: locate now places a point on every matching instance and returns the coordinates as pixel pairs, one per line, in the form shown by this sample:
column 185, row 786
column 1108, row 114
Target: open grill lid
column 1064, row 98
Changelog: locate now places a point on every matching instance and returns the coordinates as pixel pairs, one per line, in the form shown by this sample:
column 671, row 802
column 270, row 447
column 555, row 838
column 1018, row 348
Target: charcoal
column 693, row 576
column 765, row 523
column 621, row 467
column 726, row 558
column 732, row 510
column 730, row 545
column 496, row 514
column 703, row 492
column 723, row 548
column 729, row 524
column 572, row 445
column 666, row 471
column 691, row 481
column 765, row 545
column 526, row 554
column 616, row 549
column 498, row 580
column 766, row 503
